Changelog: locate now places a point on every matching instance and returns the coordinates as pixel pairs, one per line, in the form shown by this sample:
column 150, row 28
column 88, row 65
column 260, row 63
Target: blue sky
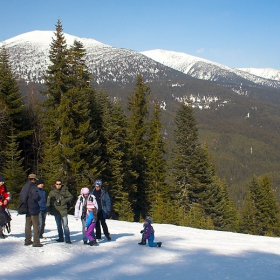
column 236, row 33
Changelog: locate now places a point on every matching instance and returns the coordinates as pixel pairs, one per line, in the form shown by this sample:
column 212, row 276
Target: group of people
column 92, row 208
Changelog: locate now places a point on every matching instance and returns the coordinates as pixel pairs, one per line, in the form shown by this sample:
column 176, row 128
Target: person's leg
column 104, row 226
column 58, row 221
column 36, row 228
column 66, row 228
column 89, row 232
column 97, row 227
column 151, row 241
column 42, row 219
column 1, row 233
column 28, row 225
column 83, row 230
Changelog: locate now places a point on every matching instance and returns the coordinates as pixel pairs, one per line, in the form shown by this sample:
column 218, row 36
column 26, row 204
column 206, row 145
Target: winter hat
column 32, row 176
column 84, row 191
column 148, row 219
column 40, row 181
column 2, row 179
column 90, row 205
column 98, row 183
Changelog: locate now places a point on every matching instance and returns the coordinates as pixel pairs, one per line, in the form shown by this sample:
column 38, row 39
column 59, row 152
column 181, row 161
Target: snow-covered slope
column 267, row 73
column 207, row 70
column 29, row 59
column 186, row 253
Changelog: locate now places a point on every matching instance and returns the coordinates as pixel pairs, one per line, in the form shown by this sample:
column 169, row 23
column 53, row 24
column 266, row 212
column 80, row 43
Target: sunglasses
column 58, row 184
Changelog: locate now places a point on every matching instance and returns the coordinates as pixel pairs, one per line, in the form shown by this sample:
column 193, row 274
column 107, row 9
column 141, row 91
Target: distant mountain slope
column 267, row 73
column 29, row 60
column 207, row 70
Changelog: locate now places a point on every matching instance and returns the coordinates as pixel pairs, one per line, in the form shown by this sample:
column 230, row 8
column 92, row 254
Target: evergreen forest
column 79, row 134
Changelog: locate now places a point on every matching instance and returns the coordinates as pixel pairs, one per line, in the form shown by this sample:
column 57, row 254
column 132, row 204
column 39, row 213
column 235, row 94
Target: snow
column 44, row 38
column 186, row 253
column 267, row 73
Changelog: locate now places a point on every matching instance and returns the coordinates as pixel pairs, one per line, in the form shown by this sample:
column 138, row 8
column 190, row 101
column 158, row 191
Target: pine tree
column 137, row 127
column 115, row 156
column 13, row 170
column 156, row 193
column 68, row 111
column 14, row 111
column 202, row 198
column 191, row 170
column 260, row 213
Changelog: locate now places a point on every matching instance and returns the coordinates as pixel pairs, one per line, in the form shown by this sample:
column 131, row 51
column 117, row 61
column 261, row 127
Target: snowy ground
column 186, row 253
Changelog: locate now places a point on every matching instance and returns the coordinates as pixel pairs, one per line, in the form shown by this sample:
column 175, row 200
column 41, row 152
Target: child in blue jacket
column 148, row 233
column 90, row 223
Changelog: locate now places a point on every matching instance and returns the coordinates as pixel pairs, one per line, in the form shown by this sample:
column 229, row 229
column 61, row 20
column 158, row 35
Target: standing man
column 43, row 207
column 57, row 202
column 29, row 194
column 104, row 209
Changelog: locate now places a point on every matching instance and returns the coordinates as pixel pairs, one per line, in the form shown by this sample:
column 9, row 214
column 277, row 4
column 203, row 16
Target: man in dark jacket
column 29, row 194
column 57, row 201
column 104, row 209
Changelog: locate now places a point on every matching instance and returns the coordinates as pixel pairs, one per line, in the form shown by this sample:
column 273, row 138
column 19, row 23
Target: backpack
column 23, row 206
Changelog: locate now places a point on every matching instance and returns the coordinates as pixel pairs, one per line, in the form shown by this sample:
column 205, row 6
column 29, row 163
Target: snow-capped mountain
column 267, row 73
column 29, row 59
column 208, row 70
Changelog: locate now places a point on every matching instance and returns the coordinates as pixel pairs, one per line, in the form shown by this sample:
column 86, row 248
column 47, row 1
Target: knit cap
column 148, row 219
column 2, row 179
column 84, row 191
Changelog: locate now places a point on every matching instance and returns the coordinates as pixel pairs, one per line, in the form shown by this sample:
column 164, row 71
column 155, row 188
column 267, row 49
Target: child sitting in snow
column 148, row 233
column 90, row 223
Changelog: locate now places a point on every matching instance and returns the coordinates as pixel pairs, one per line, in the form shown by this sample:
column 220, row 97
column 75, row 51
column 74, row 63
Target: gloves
column 142, row 231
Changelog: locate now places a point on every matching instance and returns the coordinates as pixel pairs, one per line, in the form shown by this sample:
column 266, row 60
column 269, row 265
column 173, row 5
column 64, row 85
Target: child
column 90, row 223
column 148, row 233
column 4, row 200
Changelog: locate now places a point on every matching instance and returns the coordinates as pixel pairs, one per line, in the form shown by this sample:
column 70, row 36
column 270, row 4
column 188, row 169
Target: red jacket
column 4, row 195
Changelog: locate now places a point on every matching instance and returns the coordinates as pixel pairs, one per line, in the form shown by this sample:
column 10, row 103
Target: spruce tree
column 157, row 192
column 260, row 213
column 13, row 170
column 195, row 186
column 117, row 173
column 137, row 127
column 14, row 111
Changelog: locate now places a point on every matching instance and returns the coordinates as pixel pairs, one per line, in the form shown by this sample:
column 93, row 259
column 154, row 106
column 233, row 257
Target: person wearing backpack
column 104, row 209
column 57, row 201
column 81, row 209
column 30, row 195
column 4, row 200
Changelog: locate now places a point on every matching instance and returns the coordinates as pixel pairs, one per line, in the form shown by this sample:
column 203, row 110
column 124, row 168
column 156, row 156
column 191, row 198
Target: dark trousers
column 42, row 220
column 32, row 220
column 101, row 220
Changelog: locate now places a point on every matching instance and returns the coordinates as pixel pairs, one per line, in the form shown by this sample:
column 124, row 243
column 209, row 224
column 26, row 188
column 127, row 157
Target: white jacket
column 81, row 202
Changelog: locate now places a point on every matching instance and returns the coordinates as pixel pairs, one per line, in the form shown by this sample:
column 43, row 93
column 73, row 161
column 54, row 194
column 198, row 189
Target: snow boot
column 93, row 242
column 159, row 244
column 143, row 241
column 108, row 236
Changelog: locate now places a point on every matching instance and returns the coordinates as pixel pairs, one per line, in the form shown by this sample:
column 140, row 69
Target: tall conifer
column 137, row 124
